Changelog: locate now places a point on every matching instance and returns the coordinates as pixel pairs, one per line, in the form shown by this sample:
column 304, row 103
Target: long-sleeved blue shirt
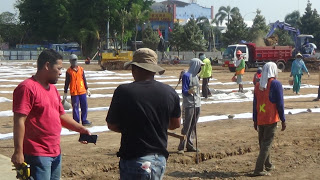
column 298, row 66
column 190, row 79
column 275, row 96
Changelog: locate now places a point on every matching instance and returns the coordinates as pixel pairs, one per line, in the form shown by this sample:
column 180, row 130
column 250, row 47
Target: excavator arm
column 283, row 26
column 300, row 40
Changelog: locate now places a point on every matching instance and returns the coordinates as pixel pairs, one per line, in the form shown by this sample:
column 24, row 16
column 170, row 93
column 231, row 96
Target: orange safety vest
column 241, row 71
column 267, row 112
column 76, row 81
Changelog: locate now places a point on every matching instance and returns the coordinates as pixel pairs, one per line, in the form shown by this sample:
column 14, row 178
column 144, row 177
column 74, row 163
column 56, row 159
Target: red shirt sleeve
column 23, row 100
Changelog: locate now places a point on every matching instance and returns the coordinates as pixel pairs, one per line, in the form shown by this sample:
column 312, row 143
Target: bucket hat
column 147, row 59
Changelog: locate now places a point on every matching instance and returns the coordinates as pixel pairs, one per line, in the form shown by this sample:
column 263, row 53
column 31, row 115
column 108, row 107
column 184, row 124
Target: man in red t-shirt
column 38, row 117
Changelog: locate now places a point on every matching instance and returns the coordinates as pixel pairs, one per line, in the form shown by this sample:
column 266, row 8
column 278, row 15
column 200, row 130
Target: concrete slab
column 6, row 167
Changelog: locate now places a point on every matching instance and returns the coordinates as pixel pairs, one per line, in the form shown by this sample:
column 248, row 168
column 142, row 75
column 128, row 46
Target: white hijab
column 269, row 70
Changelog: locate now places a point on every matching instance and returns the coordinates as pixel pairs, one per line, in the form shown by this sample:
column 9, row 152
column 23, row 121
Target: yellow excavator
column 114, row 58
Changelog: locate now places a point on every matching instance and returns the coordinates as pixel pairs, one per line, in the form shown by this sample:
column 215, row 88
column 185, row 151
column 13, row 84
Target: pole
column 177, row 84
column 195, row 129
column 180, row 78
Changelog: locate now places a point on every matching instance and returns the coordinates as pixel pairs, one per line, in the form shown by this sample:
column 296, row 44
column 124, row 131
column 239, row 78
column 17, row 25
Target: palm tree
column 138, row 17
column 124, row 17
column 226, row 13
column 205, row 27
column 208, row 30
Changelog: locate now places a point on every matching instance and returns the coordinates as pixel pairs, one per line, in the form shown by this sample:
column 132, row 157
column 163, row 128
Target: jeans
column 44, row 168
column 149, row 167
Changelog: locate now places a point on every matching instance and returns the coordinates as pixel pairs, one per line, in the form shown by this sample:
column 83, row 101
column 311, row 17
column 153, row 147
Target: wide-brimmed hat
column 147, row 59
column 299, row 54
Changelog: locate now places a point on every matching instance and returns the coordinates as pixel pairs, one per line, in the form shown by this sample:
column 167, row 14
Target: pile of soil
column 272, row 40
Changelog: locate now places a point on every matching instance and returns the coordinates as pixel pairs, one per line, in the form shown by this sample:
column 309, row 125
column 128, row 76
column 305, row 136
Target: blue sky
column 272, row 9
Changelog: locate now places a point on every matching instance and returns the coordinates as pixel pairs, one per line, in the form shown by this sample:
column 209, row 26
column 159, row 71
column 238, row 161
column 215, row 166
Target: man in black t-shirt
column 143, row 111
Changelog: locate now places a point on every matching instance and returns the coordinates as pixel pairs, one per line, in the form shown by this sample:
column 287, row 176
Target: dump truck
column 257, row 56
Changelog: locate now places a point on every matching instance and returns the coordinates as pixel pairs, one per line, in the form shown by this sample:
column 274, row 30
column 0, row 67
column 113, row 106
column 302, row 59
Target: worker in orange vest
column 268, row 110
column 76, row 79
column 240, row 67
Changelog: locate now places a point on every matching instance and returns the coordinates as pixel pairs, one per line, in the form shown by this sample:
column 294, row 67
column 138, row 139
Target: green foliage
column 138, row 16
column 259, row 28
column 293, row 19
column 124, row 16
column 150, row 38
column 8, row 18
column 236, row 30
column 192, row 38
column 176, row 36
column 83, row 21
column 284, row 38
column 226, row 13
column 10, row 30
column 310, row 23
column 44, row 20
column 208, row 31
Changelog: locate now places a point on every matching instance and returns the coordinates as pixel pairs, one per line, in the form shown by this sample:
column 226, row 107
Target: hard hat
column 66, row 104
column 73, row 56
column 299, row 54
column 239, row 52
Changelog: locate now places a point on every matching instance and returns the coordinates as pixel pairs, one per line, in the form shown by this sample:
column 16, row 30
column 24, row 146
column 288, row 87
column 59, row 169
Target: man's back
column 142, row 110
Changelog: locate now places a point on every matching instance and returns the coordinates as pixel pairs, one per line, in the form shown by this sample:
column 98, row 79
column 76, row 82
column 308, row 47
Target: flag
column 159, row 32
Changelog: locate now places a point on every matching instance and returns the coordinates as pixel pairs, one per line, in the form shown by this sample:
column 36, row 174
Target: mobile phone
column 88, row 138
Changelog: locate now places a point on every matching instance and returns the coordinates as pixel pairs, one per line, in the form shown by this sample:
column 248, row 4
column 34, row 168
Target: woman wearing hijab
column 268, row 110
column 297, row 69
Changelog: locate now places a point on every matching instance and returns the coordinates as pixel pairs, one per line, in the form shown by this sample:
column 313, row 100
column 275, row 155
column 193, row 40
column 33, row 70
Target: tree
column 83, row 27
column 310, row 23
column 8, row 18
column 236, row 30
column 259, row 28
column 176, row 37
column 293, row 19
column 193, row 39
column 124, row 17
column 60, row 21
column 10, row 29
column 150, row 38
column 226, row 13
column 41, row 18
column 138, row 16
column 206, row 29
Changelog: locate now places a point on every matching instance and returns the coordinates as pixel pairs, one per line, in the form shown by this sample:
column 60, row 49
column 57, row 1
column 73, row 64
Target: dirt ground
column 229, row 148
